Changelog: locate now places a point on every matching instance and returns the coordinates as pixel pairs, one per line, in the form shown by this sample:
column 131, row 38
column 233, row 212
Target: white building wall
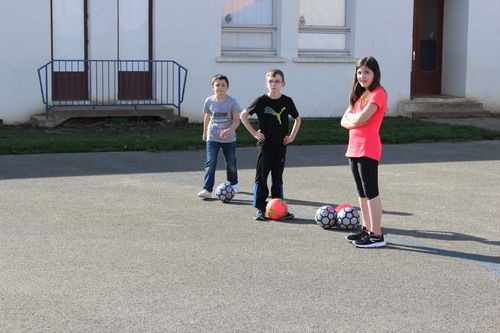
column 320, row 89
column 455, row 27
column 24, row 46
column 483, row 50
column 189, row 32
column 384, row 30
column 314, row 86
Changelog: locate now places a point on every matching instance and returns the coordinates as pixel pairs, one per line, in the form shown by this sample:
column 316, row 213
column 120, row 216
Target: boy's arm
column 256, row 134
column 233, row 127
column 206, row 121
column 296, row 126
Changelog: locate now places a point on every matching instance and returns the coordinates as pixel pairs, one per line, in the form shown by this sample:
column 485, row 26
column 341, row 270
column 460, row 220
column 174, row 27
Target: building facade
column 424, row 47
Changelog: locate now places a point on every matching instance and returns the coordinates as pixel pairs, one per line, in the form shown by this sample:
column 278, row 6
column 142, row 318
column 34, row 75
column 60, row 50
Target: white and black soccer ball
column 326, row 217
column 348, row 218
column 224, row 192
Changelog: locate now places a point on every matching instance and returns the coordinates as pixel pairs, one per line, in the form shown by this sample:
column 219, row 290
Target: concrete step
column 39, row 120
column 450, row 114
column 58, row 115
column 442, row 107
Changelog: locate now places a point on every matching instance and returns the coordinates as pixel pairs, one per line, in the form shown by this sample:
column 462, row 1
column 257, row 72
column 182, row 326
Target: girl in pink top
column 363, row 117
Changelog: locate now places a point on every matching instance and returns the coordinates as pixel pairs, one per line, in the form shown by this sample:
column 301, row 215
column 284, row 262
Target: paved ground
column 491, row 123
column 119, row 242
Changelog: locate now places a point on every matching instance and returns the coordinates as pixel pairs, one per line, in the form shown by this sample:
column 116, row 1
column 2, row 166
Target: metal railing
column 73, row 83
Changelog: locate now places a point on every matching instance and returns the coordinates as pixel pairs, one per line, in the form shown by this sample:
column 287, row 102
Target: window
column 68, row 29
column 322, row 28
column 248, row 27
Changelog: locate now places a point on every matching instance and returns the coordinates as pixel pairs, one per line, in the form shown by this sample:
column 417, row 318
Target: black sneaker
column 357, row 236
column 288, row 216
column 370, row 241
column 259, row 216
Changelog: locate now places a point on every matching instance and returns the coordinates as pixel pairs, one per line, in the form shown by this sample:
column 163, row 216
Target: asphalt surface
column 490, row 123
column 119, row 242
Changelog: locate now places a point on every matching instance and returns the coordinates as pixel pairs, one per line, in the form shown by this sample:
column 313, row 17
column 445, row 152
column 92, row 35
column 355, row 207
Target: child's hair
column 220, row 77
column 274, row 72
column 357, row 89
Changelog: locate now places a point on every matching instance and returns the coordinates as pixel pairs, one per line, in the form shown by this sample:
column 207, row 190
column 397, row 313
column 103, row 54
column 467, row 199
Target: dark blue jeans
column 229, row 151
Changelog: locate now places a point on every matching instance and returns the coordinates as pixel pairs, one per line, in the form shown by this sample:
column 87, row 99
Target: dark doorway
column 427, row 47
column 70, row 78
column 135, row 77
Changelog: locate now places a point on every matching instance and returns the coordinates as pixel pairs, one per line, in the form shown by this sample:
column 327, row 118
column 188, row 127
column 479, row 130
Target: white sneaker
column 236, row 187
column 204, row 194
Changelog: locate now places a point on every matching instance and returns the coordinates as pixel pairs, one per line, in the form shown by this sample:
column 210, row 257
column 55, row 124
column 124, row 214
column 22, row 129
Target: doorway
column 69, row 36
column 427, row 47
column 132, row 44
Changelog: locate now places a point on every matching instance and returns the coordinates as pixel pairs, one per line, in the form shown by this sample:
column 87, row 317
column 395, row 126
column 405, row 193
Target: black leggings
column 365, row 172
column 271, row 160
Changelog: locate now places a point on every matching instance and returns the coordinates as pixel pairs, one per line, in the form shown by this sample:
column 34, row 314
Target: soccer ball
column 339, row 207
column 326, row 217
column 348, row 218
column 224, row 192
column 277, row 209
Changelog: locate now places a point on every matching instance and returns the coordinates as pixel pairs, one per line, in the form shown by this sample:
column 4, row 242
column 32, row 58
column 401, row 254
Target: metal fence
column 73, row 83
